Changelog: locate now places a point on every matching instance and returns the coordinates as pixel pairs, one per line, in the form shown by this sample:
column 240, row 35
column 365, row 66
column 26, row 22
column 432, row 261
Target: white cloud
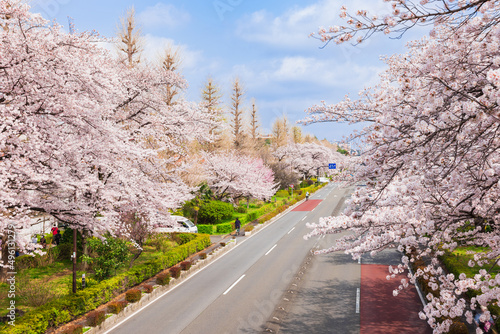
column 163, row 15
column 291, row 29
column 154, row 49
column 307, row 73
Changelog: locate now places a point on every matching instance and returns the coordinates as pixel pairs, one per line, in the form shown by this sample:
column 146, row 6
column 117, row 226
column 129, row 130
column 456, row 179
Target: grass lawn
column 458, row 261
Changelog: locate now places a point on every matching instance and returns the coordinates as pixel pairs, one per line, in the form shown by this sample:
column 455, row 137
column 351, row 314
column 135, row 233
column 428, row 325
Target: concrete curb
column 159, row 291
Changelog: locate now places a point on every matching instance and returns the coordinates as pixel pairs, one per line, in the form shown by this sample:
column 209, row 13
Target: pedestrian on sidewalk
column 307, row 195
column 237, row 226
column 43, row 242
column 57, row 237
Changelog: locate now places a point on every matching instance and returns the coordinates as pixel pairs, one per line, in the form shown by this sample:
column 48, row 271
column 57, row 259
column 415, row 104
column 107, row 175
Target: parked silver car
column 183, row 225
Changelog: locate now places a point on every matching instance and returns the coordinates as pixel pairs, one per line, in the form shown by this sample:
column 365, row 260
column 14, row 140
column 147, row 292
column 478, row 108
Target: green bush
column 95, row 318
column 111, row 255
column 117, row 307
column 35, row 260
column 213, row 212
column 224, row 228
column 252, row 216
column 65, row 251
column 203, row 256
column 242, row 209
column 206, row 229
column 133, row 295
column 160, row 242
column 62, row 310
column 163, row 279
column 282, row 193
column 183, row 238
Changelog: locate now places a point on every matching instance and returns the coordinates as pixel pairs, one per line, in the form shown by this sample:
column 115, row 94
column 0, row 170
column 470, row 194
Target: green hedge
column 67, row 308
column 206, row 229
column 213, row 212
column 224, row 228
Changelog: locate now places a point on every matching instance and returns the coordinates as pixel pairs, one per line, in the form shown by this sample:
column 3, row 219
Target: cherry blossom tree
column 233, row 175
column 77, row 129
column 404, row 15
column 432, row 163
column 309, row 159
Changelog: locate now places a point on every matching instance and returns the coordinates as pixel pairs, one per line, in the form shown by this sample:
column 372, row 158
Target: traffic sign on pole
column 332, row 166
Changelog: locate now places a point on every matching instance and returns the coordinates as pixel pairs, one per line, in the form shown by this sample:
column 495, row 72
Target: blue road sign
column 332, row 166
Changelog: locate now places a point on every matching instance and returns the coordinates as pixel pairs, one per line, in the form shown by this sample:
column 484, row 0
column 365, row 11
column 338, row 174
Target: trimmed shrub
column 163, row 279
column 203, row 256
column 206, row 229
column 175, row 272
column 148, row 288
column 185, row 265
column 213, row 212
column 73, row 329
column 223, row 244
column 224, row 228
column 95, row 318
column 133, row 295
column 248, row 228
column 117, row 307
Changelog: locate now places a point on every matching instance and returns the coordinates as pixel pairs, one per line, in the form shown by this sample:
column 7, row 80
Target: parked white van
column 183, row 225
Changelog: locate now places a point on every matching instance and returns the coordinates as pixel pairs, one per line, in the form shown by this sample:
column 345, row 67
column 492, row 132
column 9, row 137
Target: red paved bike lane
column 308, row 205
column 380, row 311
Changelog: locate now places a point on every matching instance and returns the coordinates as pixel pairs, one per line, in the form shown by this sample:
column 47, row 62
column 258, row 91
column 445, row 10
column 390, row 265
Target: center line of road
column 304, row 218
column 291, row 230
column 234, row 284
column 357, row 300
column 269, row 251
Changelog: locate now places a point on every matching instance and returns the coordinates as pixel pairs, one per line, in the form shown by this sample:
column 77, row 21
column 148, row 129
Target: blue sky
column 264, row 43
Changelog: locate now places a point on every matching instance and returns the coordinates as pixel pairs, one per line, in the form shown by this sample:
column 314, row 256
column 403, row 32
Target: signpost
column 332, row 166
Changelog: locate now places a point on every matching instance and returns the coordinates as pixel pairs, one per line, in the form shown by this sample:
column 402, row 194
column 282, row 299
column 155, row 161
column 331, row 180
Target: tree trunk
column 5, row 258
column 248, row 202
column 136, row 256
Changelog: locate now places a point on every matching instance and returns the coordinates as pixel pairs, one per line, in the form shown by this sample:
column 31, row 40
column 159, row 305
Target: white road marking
column 269, row 251
column 304, row 218
column 291, row 230
column 234, row 284
column 357, row 300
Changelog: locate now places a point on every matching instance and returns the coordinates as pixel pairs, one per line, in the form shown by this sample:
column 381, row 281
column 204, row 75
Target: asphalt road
column 340, row 295
column 238, row 292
